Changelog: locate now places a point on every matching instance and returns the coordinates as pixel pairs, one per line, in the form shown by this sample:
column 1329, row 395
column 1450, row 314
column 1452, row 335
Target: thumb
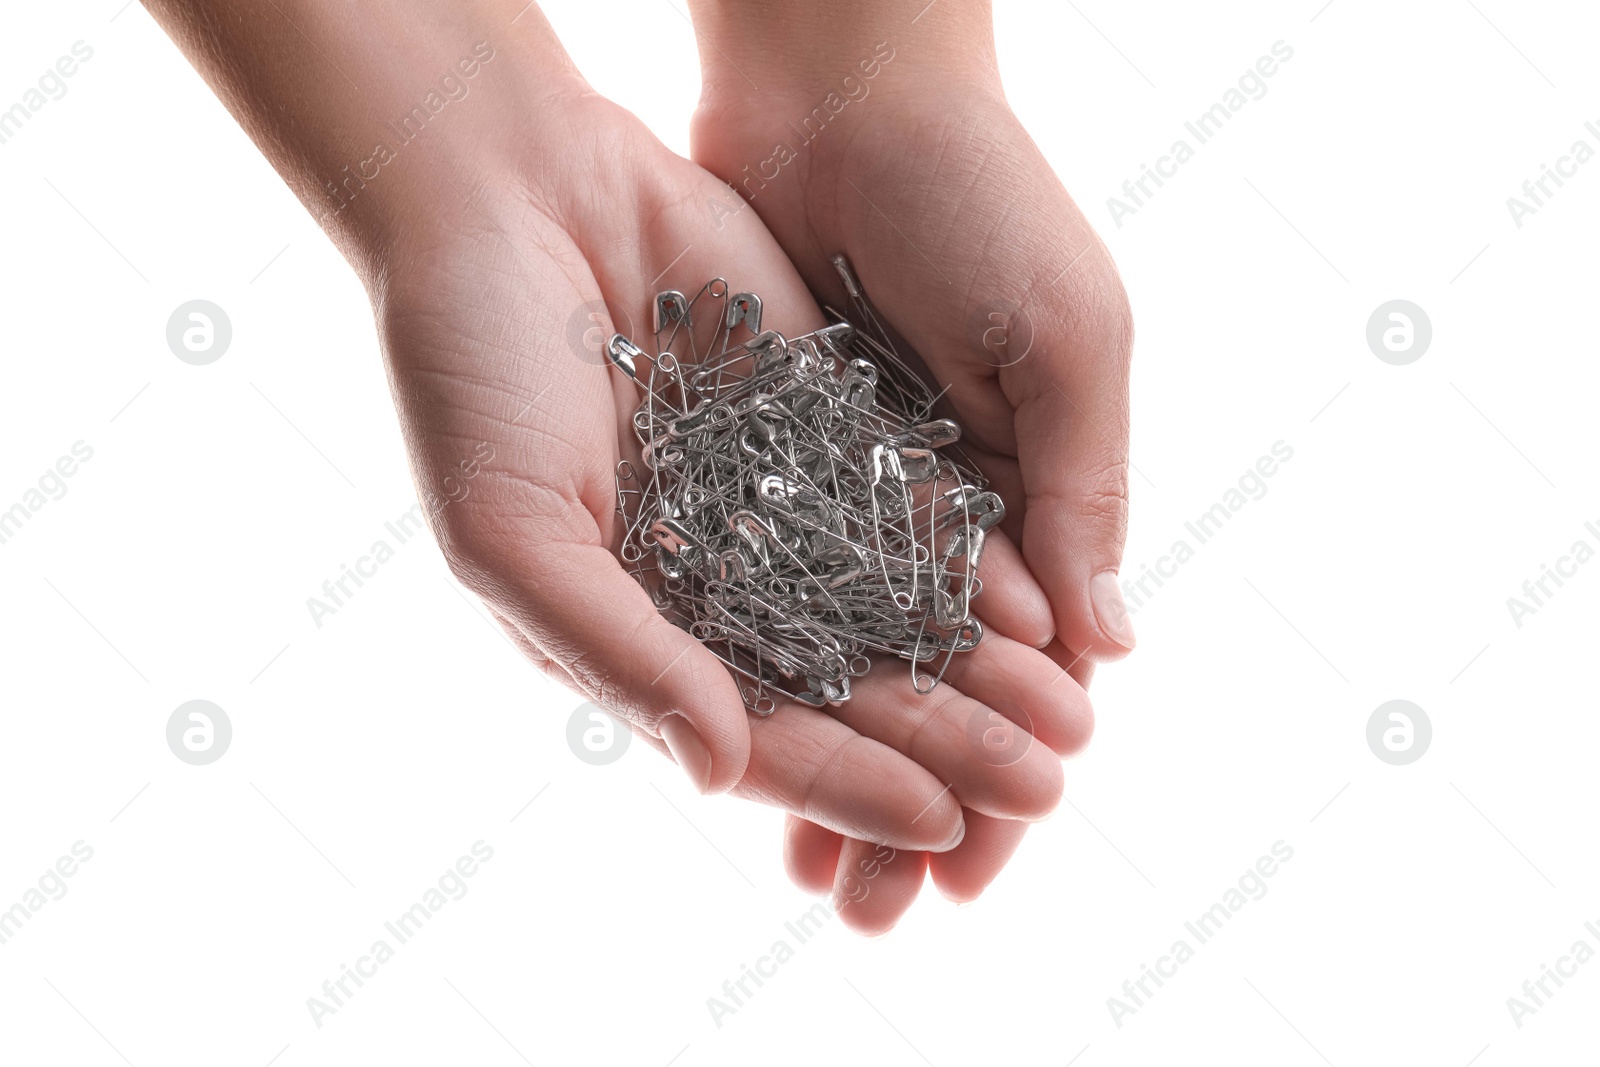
column 1072, row 448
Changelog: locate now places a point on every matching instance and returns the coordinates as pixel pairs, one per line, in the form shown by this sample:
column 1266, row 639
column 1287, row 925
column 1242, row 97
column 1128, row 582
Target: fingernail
column 1109, row 609
column 688, row 749
column 957, row 901
column 961, row 832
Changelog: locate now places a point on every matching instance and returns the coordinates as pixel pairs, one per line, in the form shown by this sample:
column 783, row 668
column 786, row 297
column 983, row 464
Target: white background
column 370, row 753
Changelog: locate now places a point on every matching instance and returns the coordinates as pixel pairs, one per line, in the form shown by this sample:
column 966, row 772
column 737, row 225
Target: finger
column 810, row 854
column 1013, row 603
column 874, row 886
column 963, row 873
column 944, row 731
column 1080, row 666
column 1030, row 690
column 582, row 610
column 821, row 771
column 535, row 655
column 1072, row 446
column 813, row 766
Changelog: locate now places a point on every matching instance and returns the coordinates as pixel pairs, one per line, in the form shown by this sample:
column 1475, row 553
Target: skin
column 532, row 201
column 947, row 210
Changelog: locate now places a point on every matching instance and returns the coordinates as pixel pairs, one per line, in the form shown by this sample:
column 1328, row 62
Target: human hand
column 534, row 204
column 900, row 150
column 474, row 315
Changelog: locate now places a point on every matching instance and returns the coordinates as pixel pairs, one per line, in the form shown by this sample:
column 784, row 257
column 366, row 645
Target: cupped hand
column 504, row 227
column 976, row 256
column 490, row 316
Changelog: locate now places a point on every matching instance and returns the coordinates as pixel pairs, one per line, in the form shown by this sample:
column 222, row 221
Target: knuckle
column 1111, row 313
column 936, row 707
column 1086, row 310
column 1103, row 497
column 605, row 685
column 1095, row 314
column 820, row 780
column 609, row 696
column 469, row 550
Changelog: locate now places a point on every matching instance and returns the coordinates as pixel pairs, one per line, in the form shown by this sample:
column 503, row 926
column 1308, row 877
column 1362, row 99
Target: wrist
column 381, row 175
column 371, row 114
column 463, row 151
column 783, row 52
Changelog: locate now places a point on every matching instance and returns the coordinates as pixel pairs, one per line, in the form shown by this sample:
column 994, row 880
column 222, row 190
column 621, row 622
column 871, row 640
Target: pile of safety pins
column 799, row 510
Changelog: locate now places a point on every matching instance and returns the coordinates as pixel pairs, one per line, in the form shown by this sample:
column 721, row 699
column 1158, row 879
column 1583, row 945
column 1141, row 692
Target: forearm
column 366, row 109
